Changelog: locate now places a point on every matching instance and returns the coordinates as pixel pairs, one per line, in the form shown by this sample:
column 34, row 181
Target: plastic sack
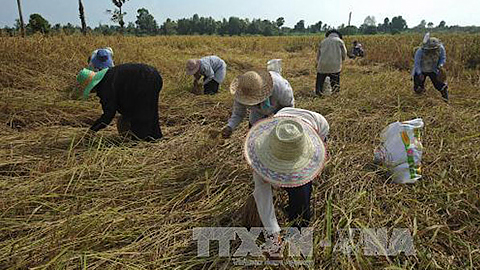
column 275, row 65
column 327, row 87
column 401, row 150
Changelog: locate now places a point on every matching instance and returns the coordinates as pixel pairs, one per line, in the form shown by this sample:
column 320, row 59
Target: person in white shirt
column 212, row 68
column 291, row 167
column 331, row 53
column 263, row 92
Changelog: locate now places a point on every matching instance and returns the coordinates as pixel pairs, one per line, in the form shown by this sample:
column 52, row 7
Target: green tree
column 398, row 24
column 169, row 27
column 234, row 26
column 315, row 28
column 38, row 24
column 145, row 22
column 117, row 14
column 442, row 24
column 422, row 24
column 280, row 22
column 299, row 27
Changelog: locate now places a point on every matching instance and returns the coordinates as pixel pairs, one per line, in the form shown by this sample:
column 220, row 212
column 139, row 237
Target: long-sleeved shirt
column 417, row 69
column 263, row 190
column 133, row 91
column 314, row 119
column 213, row 68
column 331, row 53
column 282, row 96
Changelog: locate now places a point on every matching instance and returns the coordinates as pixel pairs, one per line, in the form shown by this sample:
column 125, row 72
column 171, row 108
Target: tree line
column 145, row 24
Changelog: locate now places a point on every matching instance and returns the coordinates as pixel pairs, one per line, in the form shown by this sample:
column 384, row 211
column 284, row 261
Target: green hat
column 89, row 79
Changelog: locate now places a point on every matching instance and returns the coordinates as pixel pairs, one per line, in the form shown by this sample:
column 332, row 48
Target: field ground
column 73, row 202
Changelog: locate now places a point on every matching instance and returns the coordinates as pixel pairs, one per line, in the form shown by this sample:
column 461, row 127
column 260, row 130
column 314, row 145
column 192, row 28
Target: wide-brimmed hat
column 431, row 44
column 193, row 65
column 285, row 151
column 103, row 59
column 88, row 79
column 252, row 87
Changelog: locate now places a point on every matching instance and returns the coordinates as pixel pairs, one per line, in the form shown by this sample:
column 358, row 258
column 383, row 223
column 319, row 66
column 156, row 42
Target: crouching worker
column 130, row 89
column 286, row 151
column 429, row 61
column 263, row 92
column 213, row 70
column 101, row 59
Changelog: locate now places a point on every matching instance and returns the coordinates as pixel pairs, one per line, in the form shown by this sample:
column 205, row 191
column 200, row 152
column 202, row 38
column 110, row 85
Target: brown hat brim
column 248, row 97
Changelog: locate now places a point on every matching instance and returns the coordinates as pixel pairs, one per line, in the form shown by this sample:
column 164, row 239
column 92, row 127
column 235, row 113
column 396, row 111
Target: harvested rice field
column 73, row 201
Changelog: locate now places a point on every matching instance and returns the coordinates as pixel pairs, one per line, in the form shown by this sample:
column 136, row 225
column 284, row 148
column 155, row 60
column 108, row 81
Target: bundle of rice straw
column 250, row 217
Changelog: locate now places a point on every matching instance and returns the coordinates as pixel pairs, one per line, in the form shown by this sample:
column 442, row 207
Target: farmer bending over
column 429, row 61
column 130, row 89
column 286, row 151
column 213, row 70
column 263, row 92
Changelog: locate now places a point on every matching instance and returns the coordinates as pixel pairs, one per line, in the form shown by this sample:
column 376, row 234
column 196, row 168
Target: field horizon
column 70, row 201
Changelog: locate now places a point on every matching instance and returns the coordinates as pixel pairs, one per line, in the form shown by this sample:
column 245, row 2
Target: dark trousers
column 211, row 88
column 299, row 204
column 419, row 82
column 334, row 82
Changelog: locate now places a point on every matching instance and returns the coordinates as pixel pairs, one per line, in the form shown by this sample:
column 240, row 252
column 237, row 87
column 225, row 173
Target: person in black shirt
column 132, row 90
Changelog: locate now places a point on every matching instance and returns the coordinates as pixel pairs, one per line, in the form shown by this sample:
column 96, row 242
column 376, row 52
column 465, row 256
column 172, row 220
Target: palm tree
column 22, row 25
column 82, row 17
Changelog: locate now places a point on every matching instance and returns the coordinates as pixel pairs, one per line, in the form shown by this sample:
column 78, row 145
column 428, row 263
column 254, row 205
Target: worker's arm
column 344, row 51
column 443, row 57
column 417, row 70
column 109, row 110
column 238, row 113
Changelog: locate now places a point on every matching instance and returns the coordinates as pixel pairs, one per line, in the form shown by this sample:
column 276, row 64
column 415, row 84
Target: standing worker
column 429, row 61
column 263, row 92
column 212, row 68
column 331, row 53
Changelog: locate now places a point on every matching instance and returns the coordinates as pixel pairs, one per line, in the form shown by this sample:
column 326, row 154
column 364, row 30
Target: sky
column 331, row 12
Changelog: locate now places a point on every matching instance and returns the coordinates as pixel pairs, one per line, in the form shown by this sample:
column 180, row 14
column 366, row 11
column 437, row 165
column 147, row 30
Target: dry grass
column 71, row 202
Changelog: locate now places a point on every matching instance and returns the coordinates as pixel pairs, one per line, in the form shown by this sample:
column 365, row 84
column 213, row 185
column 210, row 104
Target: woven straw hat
column 285, row 151
column 252, row 87
column 193, row 65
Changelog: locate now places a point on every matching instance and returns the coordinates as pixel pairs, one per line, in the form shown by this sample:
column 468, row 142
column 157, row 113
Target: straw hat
column 252, row 87
column 88, row 79
column 193, row 65
column 285, row 151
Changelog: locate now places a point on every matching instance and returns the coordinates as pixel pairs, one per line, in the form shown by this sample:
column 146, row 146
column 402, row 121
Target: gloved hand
column 227, row 132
